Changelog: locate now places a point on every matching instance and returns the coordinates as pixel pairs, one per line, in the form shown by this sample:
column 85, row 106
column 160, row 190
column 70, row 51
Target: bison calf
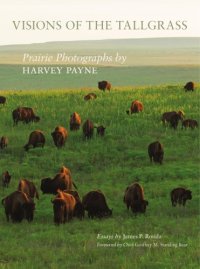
column 3, row 142
column 189, row 124
column 6, row 177
column 100, row 130
column 156, row 152
column 180, row 196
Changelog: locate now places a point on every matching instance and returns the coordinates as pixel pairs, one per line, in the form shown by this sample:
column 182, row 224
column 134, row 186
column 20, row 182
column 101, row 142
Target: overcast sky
column 82, row 10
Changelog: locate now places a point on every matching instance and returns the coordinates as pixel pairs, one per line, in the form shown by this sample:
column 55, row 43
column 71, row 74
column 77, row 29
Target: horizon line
column 97, row 40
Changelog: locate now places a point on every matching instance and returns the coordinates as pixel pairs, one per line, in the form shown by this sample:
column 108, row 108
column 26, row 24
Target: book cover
column 99, row 134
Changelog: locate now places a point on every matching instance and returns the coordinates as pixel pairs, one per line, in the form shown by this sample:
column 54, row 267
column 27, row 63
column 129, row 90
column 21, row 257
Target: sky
column 84, row 10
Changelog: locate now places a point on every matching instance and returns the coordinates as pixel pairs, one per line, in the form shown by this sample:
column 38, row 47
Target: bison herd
column 67, row 203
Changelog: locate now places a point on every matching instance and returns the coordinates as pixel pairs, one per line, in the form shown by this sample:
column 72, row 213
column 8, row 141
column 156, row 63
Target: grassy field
column 11, row 77
column 110, row 164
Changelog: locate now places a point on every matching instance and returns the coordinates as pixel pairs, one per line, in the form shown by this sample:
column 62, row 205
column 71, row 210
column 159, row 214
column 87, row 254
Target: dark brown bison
column 36, row 139
column 6, row 177
column 136, row 106
column 166, row 117
column 59, row 136
column 174, row 120
column 3, row 142
column 63, row 207
column 134, row 198
column 189, row 86
column 90, row 96
column 2, row 100
column 28, row 187
column 100, row 130
column 180, row 196
column 156, row 152
column 88, row 129
column 18, row 206
column 189, row 124
column 75, row 121
column 95, row 203
column 104, row 85
column 60, row 182
column 24, row 114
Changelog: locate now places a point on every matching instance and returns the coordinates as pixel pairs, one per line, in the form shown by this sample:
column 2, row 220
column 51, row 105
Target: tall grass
column 110, row 163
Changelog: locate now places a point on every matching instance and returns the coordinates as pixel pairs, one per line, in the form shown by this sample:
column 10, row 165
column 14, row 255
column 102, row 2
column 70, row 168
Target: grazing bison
column 6, row 177
column 174, row 120
column 28, row 187
column 180, row 196
column 60, row 182
column 104, row 85
column 59, row 136
column 136, row 106
column 95, row 203
column 18, row 206
column 90, row 96
column 189, row 86
column 88, row 129
column 2, row 100
column 100, row 130
column 24, row 114
column 156, row 152
column 134, row 198
column 75, row 121
column 3, row 142
column 36, row 139
column 63, row 207
column 166, row 117
column 189, row 124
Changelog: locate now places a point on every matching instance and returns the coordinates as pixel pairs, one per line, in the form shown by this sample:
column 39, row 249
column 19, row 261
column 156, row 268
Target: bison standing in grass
column 180, row 196
column 167, row 116
column 6, row 177
column 156, row 152
column 100, row 130
column 88, row 129
column 24, row 114
column 104, row 85
column 189, row 86
column 95, row 203
column 59, row 135
column 63, row 207
column 189, row 124
column 36, row 139
column 3, row 142
column 18, row 206
column 75, row 121
column 134, row 198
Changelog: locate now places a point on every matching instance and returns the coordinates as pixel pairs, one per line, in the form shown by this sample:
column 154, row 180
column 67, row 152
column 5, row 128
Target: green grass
column 110, row 164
